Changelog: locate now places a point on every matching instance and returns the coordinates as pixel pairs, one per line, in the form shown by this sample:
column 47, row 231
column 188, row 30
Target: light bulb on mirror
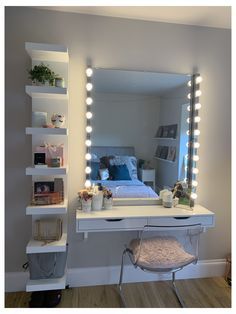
column 196, row 145
column 189, row 83
column 198, row 106
column 193, row 196
column 87, row 184
column 88, row 143
column 188, row 108
column 89, row 101
column 197, row 119
column 186, row 156
column 195, row 171
column 195, row 158
column 89, row 129
column 196, row 132
column 88, row 156
column 198, row 80
column 89, row 115
column 188, row 120
column 198, row 93
column 189, row 96
column 89, row 72
column 89, row 86
column 194, row 183
column 88, row 170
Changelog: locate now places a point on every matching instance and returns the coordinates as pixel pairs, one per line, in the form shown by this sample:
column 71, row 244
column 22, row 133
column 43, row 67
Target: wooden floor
column 197, row 293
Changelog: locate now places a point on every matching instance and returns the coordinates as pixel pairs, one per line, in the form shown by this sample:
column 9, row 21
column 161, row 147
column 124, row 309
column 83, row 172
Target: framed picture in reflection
column 171, row 153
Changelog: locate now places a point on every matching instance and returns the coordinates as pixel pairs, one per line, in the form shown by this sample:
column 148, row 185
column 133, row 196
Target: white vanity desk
column 127, row 218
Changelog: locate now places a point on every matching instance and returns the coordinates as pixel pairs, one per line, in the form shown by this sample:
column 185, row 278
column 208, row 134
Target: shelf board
column 172, row 162
column 46, row 131
column 47, row 209
column 32, row 171
column 46, row 284
column 39, row 247
column 47, row 52
column 46, row 92
column 165, row 138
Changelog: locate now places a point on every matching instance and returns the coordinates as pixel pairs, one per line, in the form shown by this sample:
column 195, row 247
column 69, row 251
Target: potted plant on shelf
column 85, row 197
column 42, row 75
column 107, row 198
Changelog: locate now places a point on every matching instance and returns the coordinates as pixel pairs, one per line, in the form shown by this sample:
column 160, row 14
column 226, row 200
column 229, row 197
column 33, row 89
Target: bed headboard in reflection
column 101, row 151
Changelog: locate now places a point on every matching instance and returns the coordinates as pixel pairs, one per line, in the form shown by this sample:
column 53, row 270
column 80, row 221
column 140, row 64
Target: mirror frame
column 193, row 145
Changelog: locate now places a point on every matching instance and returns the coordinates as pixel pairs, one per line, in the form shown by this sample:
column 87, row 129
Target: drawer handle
column 182, row 217
column 111, row 220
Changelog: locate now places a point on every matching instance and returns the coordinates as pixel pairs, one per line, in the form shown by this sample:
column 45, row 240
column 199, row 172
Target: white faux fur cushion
column 160, row 252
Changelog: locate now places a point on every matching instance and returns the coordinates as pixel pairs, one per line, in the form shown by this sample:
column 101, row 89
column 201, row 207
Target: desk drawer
column 111, row 224
column 207, row 221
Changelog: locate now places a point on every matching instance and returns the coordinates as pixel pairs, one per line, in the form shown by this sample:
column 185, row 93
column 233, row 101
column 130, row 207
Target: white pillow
column 104, row 174
column 129, row 161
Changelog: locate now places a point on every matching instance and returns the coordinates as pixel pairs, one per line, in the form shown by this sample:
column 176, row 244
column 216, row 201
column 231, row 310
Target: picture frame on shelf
column 172, row 131
column 165, row 131
column 158, row 151
column 171, row 153
column 164, row 152
column 159, row 132
column 43, row 187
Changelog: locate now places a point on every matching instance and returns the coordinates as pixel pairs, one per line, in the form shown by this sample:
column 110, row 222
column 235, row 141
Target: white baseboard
column 93, row 276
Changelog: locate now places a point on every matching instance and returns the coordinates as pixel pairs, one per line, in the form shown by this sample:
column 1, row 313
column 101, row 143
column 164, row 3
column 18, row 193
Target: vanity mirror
column 141, row 132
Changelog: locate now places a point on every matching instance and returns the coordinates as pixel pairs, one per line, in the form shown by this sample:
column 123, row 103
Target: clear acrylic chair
column 163, row 249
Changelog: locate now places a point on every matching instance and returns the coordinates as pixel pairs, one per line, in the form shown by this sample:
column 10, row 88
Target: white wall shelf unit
column 46, row 92
column 49, row 171
column 49, row 99
column 42, row 52
column 46, row 131
column 47, row 209
column 46, row 284
column 40, row 247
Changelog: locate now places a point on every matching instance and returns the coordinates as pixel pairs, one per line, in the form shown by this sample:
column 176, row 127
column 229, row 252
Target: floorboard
column 196, row 293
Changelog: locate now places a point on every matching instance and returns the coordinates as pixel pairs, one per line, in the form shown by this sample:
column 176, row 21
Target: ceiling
column 210, row 16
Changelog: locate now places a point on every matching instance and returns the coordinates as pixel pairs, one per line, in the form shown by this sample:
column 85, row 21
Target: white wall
column 170, row 113
column 126, row 44
column 126, row 120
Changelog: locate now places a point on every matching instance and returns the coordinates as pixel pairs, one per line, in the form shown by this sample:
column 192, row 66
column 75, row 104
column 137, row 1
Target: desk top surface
column 144, row 211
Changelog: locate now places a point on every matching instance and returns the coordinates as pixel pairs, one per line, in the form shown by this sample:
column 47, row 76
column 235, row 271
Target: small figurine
column 58, row 120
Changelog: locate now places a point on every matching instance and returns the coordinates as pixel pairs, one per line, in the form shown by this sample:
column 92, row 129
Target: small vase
column 59, row 82
column 86, row 205
column 97, row 202
column 108, row 203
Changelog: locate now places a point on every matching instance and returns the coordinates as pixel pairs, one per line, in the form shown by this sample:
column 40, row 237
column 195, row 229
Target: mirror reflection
column 139, row 131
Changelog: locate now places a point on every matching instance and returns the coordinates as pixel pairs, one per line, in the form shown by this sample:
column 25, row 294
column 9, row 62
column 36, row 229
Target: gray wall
column 126, row 44
column 126, row 120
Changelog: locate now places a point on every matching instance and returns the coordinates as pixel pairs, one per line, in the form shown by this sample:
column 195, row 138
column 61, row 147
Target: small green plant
column 42, row 73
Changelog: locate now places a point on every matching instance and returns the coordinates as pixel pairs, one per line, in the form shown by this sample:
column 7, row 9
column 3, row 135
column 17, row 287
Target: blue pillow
column 95, row 170
column 119, row 172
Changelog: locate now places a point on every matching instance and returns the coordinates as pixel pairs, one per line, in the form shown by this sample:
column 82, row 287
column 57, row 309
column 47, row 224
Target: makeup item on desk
column 97, row 200
column 167, row 199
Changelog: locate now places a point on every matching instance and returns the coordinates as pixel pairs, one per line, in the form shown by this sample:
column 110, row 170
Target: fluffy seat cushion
column 160, row 253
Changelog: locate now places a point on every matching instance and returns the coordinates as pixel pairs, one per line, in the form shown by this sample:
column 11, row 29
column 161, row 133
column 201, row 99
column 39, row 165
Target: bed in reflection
column 116, row 168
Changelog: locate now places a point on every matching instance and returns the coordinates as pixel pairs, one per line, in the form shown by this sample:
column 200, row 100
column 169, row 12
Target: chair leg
column 181, row 302
column 121, row 279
